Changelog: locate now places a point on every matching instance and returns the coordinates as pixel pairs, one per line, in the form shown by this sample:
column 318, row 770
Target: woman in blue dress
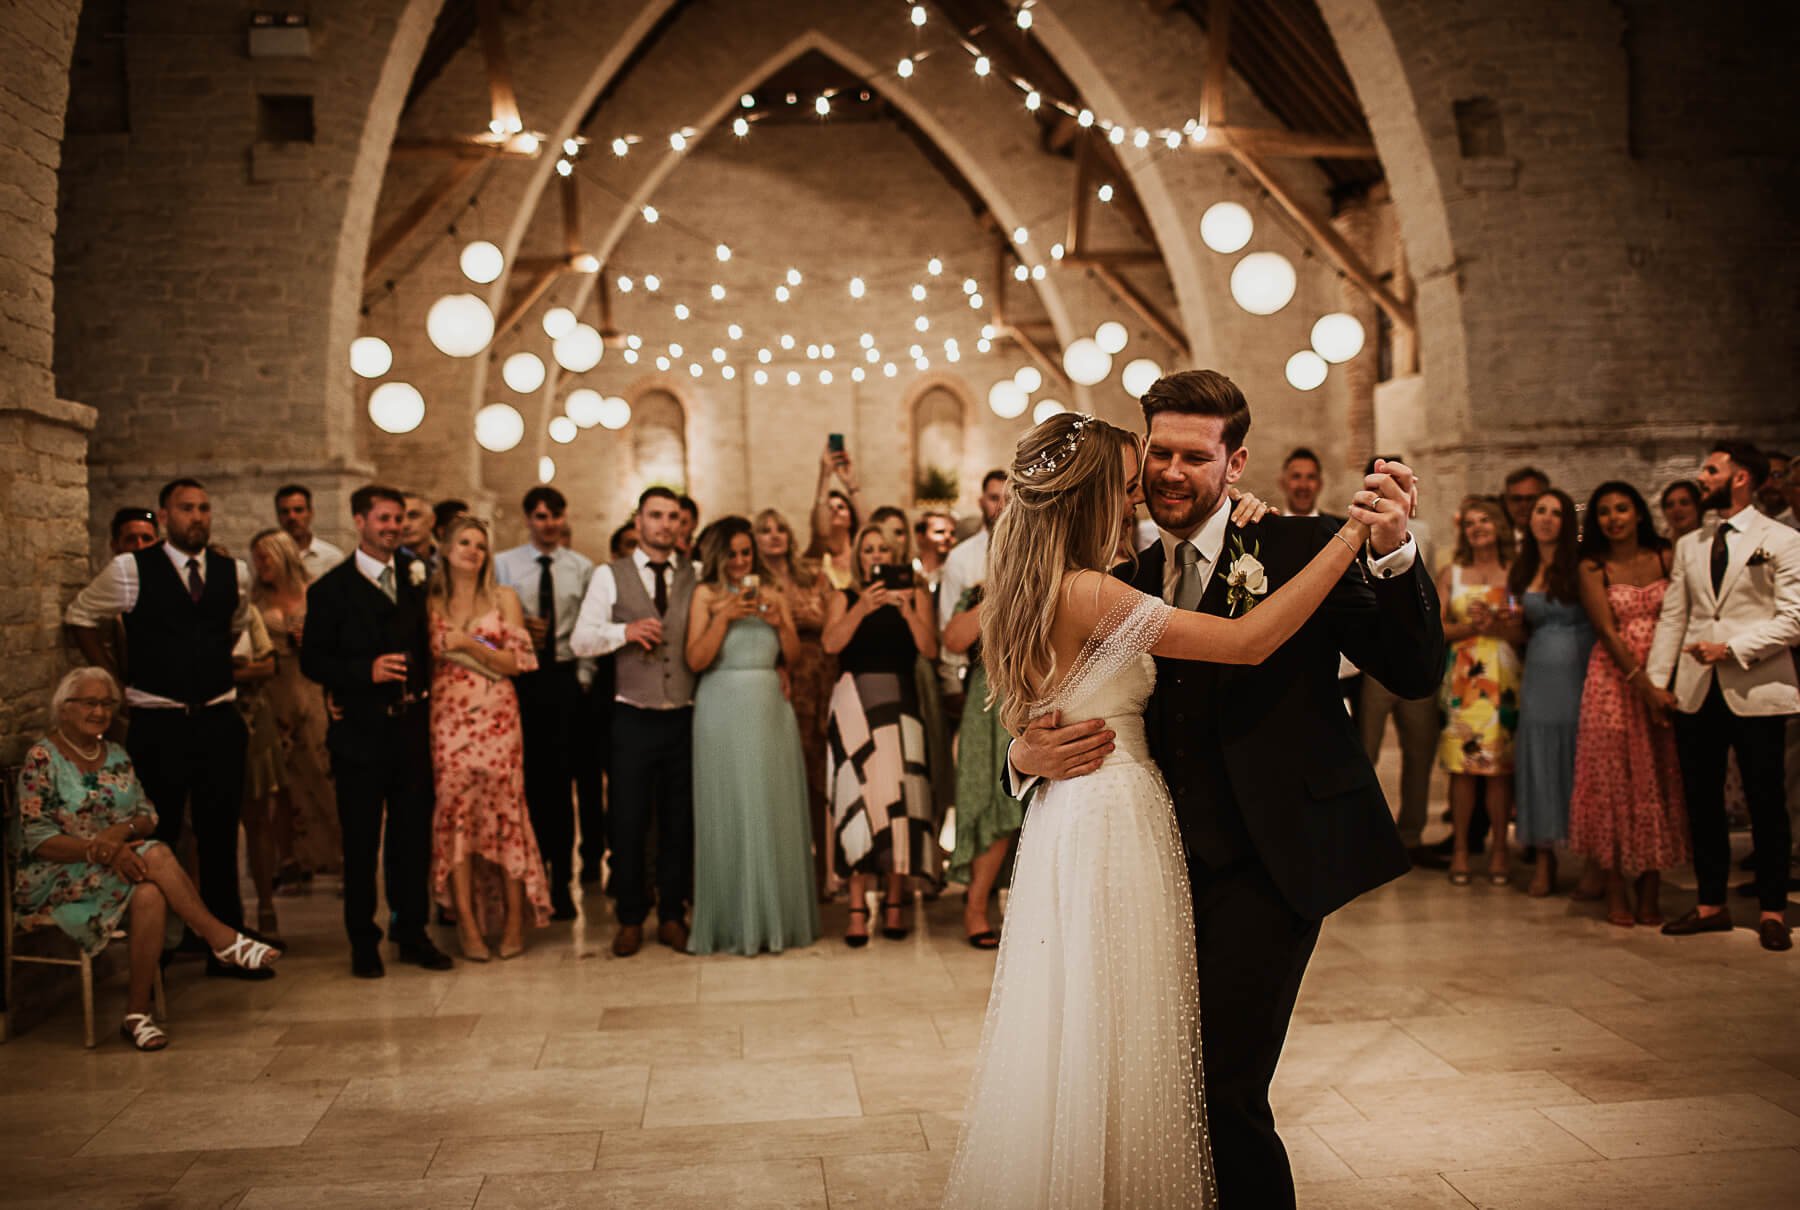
column 753, row 867
column 1559, row 639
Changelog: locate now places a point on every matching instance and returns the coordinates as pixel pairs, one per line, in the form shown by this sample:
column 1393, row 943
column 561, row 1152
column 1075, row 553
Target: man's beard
column 1182, row 515
column 1719, row 497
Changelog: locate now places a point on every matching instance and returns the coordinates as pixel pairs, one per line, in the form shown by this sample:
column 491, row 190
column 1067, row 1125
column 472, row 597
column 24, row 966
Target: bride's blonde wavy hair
column 1067, row 478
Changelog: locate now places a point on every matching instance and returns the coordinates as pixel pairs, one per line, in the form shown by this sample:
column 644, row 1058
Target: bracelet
column 1339, row 535
column 1632, row 675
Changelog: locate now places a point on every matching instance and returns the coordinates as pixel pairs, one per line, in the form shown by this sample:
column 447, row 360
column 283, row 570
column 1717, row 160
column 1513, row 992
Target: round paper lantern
column 1337, row 337
column 523, row 372
column 584, row 407
column 481, row 262
column 1306, row 370
column 1111, row 336
column 615, row 413
column 1263, row 282
column 1086, row 362
column 499, row 427
column 370, row 357
column 1139, row 376
column 1226, row 227
column 580, row 350
column 1045, row 409
column 562, row 430
column 559, row 322
column 396, row 407
column 460, row 325
column 1029, row 378
column 1008, row 399
column 546, row 468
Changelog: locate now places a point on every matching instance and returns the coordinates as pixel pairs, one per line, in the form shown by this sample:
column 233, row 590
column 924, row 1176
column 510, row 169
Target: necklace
column 79, row 751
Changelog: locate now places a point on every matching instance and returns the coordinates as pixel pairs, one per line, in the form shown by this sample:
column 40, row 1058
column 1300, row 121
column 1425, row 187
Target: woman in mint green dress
column 987, row 818
column 753, row 867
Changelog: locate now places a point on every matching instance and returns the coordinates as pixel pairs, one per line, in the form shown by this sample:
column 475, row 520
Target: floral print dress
column 478, row 765
column 57, row 798
column 1481, row 689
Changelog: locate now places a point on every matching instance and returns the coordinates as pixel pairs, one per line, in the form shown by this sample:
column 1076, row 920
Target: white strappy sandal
column 249, row 953
column 141, row 1030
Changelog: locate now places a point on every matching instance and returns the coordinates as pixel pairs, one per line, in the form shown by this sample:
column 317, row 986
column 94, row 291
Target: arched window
column 659, row 440
column 937, row 445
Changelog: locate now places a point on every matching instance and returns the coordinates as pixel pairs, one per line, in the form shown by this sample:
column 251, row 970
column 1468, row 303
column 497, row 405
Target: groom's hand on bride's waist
column 1050, row 750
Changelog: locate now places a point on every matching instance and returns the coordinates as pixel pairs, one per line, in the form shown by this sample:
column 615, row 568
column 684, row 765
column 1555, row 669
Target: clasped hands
column 1386, row 504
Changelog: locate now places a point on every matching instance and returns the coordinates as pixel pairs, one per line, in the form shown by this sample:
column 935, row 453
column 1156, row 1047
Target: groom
column 1279, row 808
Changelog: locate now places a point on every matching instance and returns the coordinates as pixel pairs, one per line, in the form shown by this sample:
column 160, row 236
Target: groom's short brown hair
column 1200, row 393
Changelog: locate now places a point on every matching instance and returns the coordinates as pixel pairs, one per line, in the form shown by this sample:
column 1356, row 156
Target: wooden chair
column 13, row 930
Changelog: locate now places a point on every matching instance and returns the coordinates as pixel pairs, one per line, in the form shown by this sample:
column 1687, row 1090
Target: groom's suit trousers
column 1252, row 949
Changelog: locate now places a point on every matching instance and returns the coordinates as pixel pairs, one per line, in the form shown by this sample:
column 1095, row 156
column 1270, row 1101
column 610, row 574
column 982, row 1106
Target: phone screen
column 835, row 443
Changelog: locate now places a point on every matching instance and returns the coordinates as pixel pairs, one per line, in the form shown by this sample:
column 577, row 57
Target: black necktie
column 1720, row 556
column 547, row 607
column 662, row 586
column 196, row 586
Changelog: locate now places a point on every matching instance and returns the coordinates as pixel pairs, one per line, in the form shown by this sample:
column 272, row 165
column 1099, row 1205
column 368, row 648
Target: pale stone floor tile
column 58, row 1125
column 729, row 1014
column 892, row 1082
column 380, row 1029
column 1345, row 1053
column 1325, row 1004
column 842, row 1036
column 667, row 1146
column 1310, row 1157
column 1685, row 1029
column 942, row 1130
column 222, row 1174
column 902, row 1181
column 1522, row 1040
column 268, row 1114
column 454, row 1194
column 37, row 1063
column 351, row 1060
column 435, row 1104
column 1444, row 1142
column 1679, row 1126
column 110, row 1180
column 1738, row 1180
column 751, row 1090
column 640, row 1047
column 465, row 1156
column 1428, row 1192
column 1654, row 1079
column 1405, row 1100
column 959, row 1027
column 769, row 1185
column 1301, row 1104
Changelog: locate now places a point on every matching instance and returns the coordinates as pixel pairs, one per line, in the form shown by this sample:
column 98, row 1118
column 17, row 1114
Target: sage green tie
column 387, row 583
column 1187, row 589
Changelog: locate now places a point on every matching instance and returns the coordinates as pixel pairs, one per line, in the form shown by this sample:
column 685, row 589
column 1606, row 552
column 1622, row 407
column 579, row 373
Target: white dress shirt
column 320, row 557
column 964, row 567
column 595, row 631
column 520, row 571
column 115, row 591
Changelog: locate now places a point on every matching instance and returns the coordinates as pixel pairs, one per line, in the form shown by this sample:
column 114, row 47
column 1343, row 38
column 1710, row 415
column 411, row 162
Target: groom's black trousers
column 1253, row 949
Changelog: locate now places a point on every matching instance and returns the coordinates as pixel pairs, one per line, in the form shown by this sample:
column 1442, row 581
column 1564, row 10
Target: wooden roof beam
column 383, row 246
column 1218, row 63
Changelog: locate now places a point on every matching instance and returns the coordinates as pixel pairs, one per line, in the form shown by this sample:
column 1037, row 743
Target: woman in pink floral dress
column 484, row 856
column 1626, row 812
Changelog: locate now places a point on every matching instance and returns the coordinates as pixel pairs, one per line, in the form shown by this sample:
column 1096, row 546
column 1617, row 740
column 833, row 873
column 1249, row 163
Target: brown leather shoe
column 673, row 934
column 1775, row 935
column 1693, row 922
column 628, row 940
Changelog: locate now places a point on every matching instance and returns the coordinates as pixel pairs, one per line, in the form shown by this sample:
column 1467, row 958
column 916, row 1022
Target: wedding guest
column 368, row 642
column 1626, row 808
column 837, row 516
column 964, row 568
column 184, row 604
column 593, row 765
column 294, row 513
column 1302, row 475
column 420, row 537
column 934, row 534
column 305, row 832
column 1523, row 487
column 1681, row 510
column 444, row 512
column 624, row 541
column 690, row 521
column 485, row 861
column 891, row 521
column 265, row 767
column 1482, row 629
column 1544, row 579
column 1771, row 497
column 84, row 833
column 940, row 768
column 550, row 580
column 133, row 529
column 1731, row 614
column 810, row 672
column 753, row 880
column 638, row 606
column 987, row 818
column 881, row 810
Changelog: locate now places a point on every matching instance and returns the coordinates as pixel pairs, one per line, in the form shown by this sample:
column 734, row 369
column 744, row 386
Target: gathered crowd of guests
column 732, row 727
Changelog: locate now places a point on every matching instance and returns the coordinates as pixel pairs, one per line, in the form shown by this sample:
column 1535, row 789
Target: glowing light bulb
column 624, row 284
column 1037, row 273
column 1021, row 273
column 867, row 340
column 727, row 373
column 675, row 349
column 981, row 65
column 740, row 127
column 735, row 331
column 564, row 168
column 787, row 340
column 856, row 374
column 781, row 293
column 678, row 141
column 1104, row 193
column 857, row 289
column 824, row 378
column 822, row 106
column 889, row 370
column 764, row 356
column 1020, row 235
column 905, row 70
column 1085, row 118
column 918, row 14
column 662, row 363
column 718, row 292
column 747, row 101
column 652, row 282
column 723, row 252
column 559, row 322
column 918, row 293
column 812, row 352
column 1056, row 251
column 1141, row 138
column 1032, row 101
column 974, row 302
column 1024, row 18
column 921, row 324
column 571, row 147
column 620, row 147
column 650, row 214
column 793, row 378
column 760, row 378
column 681, row 311
column 1172, row 140
column 793, row 277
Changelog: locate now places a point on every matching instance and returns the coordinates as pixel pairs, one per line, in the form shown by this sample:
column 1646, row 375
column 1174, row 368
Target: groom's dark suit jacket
column 349, row 622
column 1263, row 760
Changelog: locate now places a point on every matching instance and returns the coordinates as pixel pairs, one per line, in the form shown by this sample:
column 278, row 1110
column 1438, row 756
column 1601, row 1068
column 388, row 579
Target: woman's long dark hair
column 1594, row 543
column 1559, row 577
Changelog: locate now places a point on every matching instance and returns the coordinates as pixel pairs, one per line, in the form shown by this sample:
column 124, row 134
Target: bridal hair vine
column 1047, row 462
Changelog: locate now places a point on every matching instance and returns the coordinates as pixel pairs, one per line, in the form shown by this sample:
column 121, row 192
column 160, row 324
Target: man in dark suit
column 1279, row 809
column 368, row 643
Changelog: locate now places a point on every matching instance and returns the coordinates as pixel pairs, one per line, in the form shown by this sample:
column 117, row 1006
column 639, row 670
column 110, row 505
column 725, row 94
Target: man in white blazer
column 1730, row 615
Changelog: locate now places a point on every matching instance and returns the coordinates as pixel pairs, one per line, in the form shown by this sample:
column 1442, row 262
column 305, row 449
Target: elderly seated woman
column 85, row 857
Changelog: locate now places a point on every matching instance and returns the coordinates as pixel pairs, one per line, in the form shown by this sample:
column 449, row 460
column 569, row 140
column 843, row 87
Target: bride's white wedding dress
column 1087, row 1089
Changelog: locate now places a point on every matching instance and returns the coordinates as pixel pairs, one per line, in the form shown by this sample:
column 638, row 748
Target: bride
column 1087, row 1089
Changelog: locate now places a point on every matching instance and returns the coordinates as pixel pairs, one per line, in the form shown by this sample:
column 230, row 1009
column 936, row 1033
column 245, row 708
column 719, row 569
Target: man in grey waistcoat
column 638, row 606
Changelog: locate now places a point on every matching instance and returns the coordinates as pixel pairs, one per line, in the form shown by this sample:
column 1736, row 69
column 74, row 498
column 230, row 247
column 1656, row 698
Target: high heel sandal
column 477, row 952
column 141, row 1030
column 888, row 931
column 857, row 940
column 248, row 953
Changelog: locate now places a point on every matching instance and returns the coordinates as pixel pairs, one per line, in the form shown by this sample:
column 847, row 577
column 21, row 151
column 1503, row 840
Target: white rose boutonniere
column 1245, row 580
column 415, row 571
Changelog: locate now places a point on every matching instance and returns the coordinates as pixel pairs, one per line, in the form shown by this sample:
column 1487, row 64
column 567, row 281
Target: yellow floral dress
column 1481, row 689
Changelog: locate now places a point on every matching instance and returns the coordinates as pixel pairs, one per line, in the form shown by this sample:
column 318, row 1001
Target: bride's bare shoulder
column 1089, row 597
